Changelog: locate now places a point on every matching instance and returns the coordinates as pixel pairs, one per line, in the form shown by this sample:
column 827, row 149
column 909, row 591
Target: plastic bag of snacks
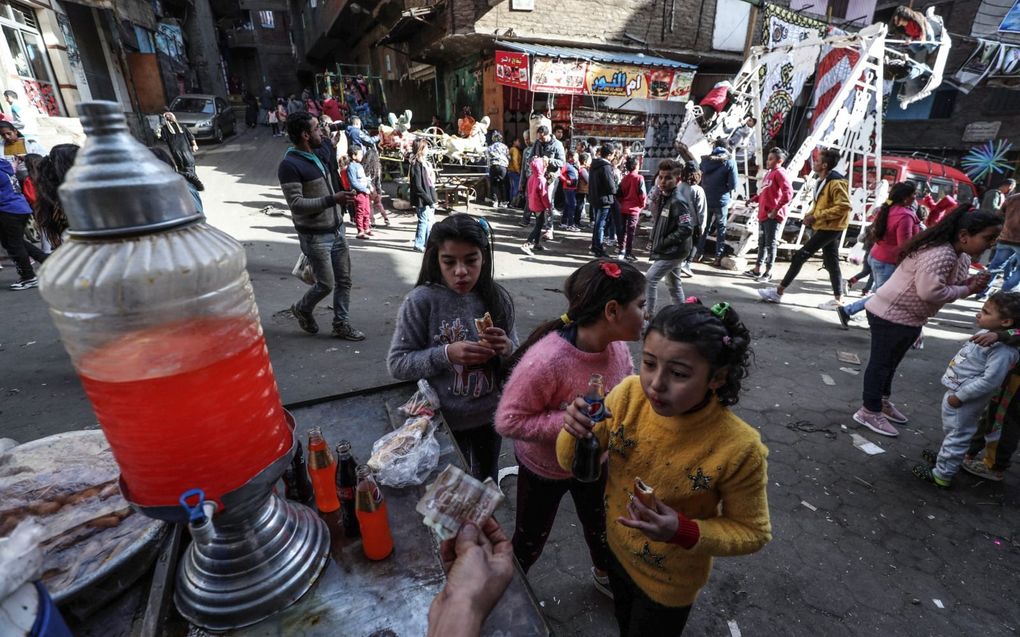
column 424, row 402
column 406, row 456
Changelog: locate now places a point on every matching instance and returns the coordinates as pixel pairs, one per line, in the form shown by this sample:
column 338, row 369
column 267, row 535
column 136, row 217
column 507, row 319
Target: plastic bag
column 857, row 253
column 407, row 456
column 21, row 559
column 303, row 270
column 424, row 402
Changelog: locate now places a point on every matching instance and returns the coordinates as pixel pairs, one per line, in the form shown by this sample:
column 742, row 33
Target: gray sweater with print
column 976, row 372
column 431, row 317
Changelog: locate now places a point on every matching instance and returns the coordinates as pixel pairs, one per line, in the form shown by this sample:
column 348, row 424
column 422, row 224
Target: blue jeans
column 331, row 262
column 421, row 232
column 1004, row 254
column 768, row 243
column 515, row 182
column 598, row 230
column 880, row 273
column 718, row 215
column 570, row 216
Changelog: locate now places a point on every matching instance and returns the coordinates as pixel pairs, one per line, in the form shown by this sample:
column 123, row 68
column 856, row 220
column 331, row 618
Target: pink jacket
column 631, row 195
column 921, row 285
column 551, row 374
column 774, row 194
column 901, row 224
column 538, row 187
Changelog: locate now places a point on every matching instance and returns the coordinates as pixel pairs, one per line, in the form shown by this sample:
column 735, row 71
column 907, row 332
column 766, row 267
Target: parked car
column 207, row 117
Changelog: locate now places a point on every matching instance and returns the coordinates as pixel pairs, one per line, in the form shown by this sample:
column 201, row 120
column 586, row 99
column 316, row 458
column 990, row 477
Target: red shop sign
column 512, row 69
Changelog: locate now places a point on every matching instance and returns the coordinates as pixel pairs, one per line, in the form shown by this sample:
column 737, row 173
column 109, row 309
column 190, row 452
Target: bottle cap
column 117, row 187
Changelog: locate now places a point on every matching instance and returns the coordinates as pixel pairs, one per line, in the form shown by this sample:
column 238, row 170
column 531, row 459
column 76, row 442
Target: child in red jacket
column 632, row 198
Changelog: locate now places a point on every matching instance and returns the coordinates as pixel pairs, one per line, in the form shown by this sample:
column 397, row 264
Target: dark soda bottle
column 322, row 471
column 376, row 539
column 586, row 467
column 346, row 483
column 295, row 479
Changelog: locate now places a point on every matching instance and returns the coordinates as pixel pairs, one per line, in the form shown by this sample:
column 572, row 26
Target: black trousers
column 480, row 447
column 535, row 238
column 538, row 500
column 636, row 613
column 499, row 187
column 828, row 242
column 890, row 342
column 12, row 238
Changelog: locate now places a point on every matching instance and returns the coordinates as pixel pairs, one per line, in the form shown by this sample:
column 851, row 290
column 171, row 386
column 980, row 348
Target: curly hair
column 49, row 175
column 718, row 335
column 1008, row 304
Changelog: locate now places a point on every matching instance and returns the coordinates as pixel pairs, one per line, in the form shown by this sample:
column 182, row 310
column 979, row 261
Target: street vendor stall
column 157, row 313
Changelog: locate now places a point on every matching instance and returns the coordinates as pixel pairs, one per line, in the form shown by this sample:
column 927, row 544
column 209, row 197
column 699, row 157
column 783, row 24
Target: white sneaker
column 770, row 295
column 602, row 583
column 526, row 249
column 831, row 304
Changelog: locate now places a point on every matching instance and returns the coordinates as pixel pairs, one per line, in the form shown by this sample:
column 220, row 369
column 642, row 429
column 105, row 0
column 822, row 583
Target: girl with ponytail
column 606, row 306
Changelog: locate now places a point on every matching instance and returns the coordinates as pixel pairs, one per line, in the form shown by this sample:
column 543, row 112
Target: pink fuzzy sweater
column 921, row 284
column 551, row 374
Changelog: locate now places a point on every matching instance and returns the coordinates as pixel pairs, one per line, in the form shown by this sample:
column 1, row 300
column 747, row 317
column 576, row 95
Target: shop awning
column 594, row 55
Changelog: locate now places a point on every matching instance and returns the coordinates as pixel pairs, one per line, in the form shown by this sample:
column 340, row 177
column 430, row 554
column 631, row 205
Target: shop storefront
column 27, row 68
column 607, row 95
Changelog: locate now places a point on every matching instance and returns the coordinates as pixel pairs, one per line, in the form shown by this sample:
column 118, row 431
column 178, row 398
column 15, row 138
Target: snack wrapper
column 424, row 402
column 456, row 498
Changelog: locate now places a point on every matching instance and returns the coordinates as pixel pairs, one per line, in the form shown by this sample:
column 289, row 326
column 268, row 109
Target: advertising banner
column 616, row 81
column 680, row 89
column 512, row 69
column 564, row 77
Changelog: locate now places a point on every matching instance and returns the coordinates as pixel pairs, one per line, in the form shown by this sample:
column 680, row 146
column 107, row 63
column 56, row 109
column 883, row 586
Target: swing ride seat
column 937, row 68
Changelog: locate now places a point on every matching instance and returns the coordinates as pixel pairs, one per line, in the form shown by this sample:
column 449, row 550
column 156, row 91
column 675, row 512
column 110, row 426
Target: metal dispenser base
column 258, row 556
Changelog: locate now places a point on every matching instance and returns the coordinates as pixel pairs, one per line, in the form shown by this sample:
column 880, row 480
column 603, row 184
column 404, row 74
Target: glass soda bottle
column 295, row 478
column 322, row 471
column 586, row 467
column 376, row 539
column 346, row 483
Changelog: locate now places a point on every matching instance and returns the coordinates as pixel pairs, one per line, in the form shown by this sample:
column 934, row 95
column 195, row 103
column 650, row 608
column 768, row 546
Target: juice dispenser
column 156, row 310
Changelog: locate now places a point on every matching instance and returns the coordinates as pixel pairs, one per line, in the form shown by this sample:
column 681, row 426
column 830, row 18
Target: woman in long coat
column 180, row 142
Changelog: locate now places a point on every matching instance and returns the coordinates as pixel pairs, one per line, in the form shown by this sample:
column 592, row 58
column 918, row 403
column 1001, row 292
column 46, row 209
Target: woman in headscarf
column 181, row 143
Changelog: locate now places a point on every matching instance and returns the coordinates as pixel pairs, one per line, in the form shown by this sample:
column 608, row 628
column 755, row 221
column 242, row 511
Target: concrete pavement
column 861, row 546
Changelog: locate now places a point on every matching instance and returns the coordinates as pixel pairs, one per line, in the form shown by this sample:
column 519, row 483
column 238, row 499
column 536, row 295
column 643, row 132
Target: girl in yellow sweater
column 671, row 428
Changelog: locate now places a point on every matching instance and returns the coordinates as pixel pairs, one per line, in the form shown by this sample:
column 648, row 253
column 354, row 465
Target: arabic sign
column 512, row 69
column 658, row 82
column 616, row 81
column 981, row 131
column 680, row 89
column 565, row 77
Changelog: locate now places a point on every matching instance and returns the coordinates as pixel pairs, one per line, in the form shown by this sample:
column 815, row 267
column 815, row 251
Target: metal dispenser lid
column 117, row 186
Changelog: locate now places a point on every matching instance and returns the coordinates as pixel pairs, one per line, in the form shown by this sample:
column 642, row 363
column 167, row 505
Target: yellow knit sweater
column 709, row 465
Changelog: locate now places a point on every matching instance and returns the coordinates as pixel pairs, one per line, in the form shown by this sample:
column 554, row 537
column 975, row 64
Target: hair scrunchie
column 566, row 319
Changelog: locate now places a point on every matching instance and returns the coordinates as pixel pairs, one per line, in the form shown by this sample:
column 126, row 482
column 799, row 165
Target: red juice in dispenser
column 180, row 422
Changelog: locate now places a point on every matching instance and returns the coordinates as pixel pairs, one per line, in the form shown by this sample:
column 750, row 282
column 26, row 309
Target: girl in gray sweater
column 436, row 336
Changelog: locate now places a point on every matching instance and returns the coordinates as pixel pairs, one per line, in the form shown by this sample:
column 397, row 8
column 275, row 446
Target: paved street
column 860, row 546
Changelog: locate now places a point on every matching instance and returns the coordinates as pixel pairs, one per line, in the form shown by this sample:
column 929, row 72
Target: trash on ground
column 809, row 505
column 938, row 602
column 850, row 370
column 866, row 445
column 810, row 428
column 828, row 380
column 848, row 357
column 734, row 629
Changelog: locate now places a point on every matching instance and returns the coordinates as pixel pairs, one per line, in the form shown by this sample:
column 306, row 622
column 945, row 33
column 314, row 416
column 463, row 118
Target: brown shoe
column 717, row 263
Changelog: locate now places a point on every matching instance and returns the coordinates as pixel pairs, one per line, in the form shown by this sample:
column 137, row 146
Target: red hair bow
column 611, row 269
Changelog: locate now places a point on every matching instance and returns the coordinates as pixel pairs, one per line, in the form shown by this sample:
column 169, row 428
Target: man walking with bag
column 316, row 211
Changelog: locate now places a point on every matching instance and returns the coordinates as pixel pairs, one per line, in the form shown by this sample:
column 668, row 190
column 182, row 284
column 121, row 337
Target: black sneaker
column 305, row 320
column 844, row 318
column 26, row 284
column 347, row 332
column 630, row 257
column 930, row 457
column 539, row 248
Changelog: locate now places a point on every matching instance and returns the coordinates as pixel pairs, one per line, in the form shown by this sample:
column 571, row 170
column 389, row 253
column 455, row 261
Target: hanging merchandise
column 987, row 159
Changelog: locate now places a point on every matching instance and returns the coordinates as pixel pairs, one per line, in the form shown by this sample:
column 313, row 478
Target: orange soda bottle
column 376, row 538
column 322, row 471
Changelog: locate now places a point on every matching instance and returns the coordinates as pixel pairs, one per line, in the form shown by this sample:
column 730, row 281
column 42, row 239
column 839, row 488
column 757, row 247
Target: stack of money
column 456, row 498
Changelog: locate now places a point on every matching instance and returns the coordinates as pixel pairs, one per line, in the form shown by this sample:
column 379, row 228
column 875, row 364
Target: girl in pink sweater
column 607, row 304
column 933, row 271
column 538, row 202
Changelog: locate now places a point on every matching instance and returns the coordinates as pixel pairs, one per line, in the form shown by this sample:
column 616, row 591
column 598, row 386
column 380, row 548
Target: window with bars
column 267, row 19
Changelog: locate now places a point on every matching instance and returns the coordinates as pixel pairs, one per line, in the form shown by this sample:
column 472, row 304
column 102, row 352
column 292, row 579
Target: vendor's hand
column 343, row 197
column 194, row 148
column 479, row 565
column 497, row 339
column 771, row 214
column 576, row 421
column 985, row 339
column 659, row 524
column 953, row 401
column 809, row 220
column 469, row 353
